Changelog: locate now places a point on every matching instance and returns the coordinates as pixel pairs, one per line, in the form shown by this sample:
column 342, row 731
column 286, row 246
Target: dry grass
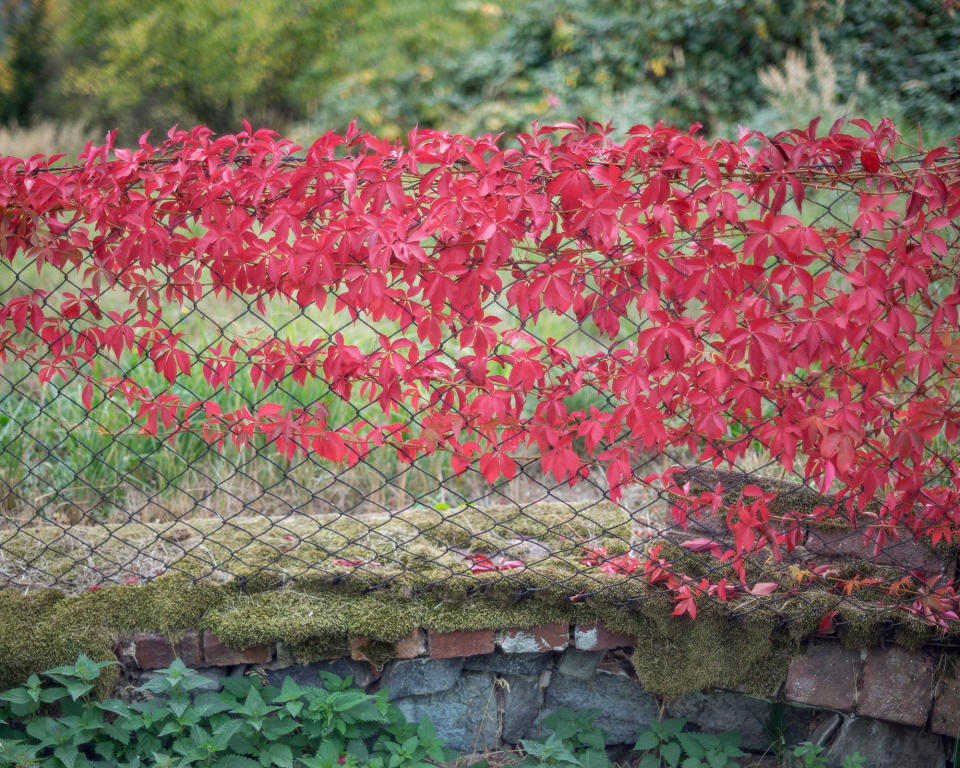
column 45, row 138
column 797, row 91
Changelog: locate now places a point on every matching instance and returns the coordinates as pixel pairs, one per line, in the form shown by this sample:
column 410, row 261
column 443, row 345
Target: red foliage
column 834, row 344
column 482, row 563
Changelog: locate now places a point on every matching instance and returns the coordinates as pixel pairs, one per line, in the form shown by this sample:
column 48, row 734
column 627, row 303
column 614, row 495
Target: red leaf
column 825, row 627
column 870, row 160
column 701, row 545
column 87, row 396
column 482, row 563
column 495, row 464
column 686, row 605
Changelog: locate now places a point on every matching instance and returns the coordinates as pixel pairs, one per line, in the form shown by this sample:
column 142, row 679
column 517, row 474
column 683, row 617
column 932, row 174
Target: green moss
column 43, row 629
column 296, row 617
column 491, row 614
column 258, row 547
column 679, row 655
column 674, row 655
column 768, row 672
column 802, row 613
column 311, row 604
column 33, row 638
column 912, row 633
column 317, row 648
column 859, row 625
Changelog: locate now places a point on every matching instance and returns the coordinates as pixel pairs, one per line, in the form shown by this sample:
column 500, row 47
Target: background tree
column 306, row 66
column 26, row 64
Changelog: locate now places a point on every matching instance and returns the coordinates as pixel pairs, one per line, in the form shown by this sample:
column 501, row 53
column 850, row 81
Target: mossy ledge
column 744, row 643
column 310, row 583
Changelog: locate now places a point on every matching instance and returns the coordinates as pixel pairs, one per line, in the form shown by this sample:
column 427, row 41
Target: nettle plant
column 52, row 723
column 731, row 306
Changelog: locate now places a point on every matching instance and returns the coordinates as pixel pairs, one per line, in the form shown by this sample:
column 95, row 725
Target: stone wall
column 489, row 689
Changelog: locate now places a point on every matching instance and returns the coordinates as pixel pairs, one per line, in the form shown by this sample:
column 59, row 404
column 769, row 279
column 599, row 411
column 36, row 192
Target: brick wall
column 485, row 689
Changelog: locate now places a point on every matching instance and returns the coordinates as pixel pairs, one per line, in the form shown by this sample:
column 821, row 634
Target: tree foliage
column 698, row 61
column 25, row 69
column 462, row 65
column 143, row 65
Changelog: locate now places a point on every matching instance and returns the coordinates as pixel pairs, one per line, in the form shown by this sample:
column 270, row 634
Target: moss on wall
column 266, row 589
column 43, row 629
column 673, row 655
column 310, row 545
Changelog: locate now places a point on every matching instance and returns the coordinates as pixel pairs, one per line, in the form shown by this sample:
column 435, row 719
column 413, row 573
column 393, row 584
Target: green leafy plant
column 666, row 745
column 576, row 740
column 246, row 725
column 52, row 722
column 808, row 755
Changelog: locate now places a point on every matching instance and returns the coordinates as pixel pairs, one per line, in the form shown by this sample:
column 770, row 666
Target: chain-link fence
column 487, row 374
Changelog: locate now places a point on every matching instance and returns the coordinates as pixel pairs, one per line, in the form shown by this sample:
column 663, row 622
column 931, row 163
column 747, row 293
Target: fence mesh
column 169, row 405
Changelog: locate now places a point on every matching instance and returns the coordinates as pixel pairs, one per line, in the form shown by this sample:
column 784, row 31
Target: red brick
column 412, row 646
column 946, row 710
column 357, row 644
column 154, row 652
column 358, row 652
column 450, row 645
column 545, row 637
column 217, row 654
column 189, row 651
column 598, row 637
column 826, row 676
column 897, row 686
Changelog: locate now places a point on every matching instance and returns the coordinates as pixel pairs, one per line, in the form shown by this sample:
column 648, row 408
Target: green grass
column 61, row 463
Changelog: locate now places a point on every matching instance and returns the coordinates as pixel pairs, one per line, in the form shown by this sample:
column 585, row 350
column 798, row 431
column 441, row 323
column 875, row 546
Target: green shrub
column 575, row 740
column 463, row 65
column 247, row 724
column 52, row 722
column 666, row 745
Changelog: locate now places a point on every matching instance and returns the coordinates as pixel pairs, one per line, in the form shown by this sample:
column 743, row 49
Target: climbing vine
column 733, row 303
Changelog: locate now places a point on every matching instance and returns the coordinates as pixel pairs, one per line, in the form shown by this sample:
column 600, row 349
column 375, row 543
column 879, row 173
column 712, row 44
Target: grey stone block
column 579, row 664
column 464, row 716
column 825, row 729
column 722, row 711
column 522, row 702
column 509, row 663
column 419, row 677
column 800, row 723
column 625, row 708
column 307, row 674
column 885, row 745
column 214, row 675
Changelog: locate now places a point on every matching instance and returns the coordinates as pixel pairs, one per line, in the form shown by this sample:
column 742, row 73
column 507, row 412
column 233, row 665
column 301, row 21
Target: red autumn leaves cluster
column 657, row 571
column 734, row 302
